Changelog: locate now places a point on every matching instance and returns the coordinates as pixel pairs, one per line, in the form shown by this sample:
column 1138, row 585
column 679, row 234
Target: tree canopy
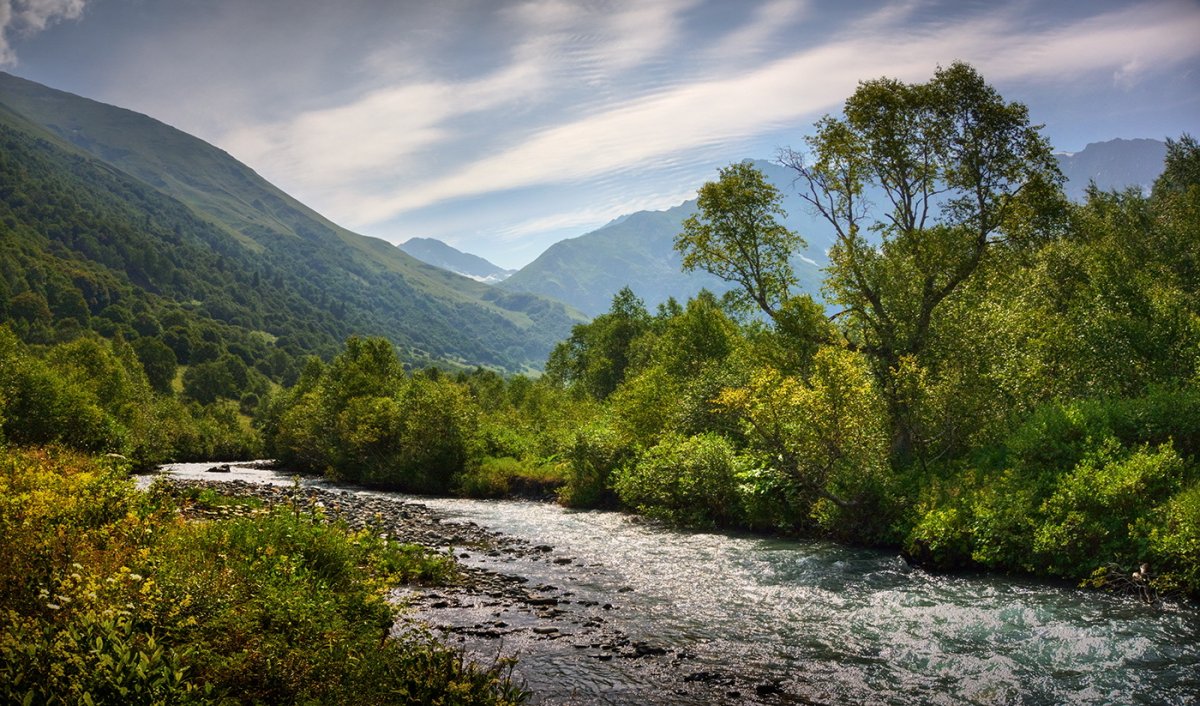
column 737, row 237
column 917, row 181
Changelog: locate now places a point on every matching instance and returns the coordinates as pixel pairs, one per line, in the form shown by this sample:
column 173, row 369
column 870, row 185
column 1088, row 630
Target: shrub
column 689, row 481
column 1173, row 541
column 1089, row 517
column 771, row 501
column 110, row 597
column 506, row 477
column 1057, row 436
column 597, row 451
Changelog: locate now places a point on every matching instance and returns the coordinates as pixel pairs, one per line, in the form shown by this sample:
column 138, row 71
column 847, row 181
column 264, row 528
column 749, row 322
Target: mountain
column 637, row 250
column 169, row 223
column 439, row 254
column 1115, row 164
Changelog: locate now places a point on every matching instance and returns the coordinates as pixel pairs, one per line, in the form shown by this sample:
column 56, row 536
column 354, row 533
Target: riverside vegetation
column 1008, row 380
column 110, row 596
column 1002, row 380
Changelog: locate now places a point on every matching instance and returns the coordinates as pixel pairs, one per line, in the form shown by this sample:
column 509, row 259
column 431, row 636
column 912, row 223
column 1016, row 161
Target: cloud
column 808, row 82
column 23, row 18
column 416, row 125
column 575, row 219
column 1124, row 43
column 767, row 21
column 584, row 92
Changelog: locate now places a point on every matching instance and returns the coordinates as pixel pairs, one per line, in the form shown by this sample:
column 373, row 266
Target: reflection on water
column 844, row 625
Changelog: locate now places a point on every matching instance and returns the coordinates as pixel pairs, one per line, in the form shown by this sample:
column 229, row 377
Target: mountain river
column 826, row 623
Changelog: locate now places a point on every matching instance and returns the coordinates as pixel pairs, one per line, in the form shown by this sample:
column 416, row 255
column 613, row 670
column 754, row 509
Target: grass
column 108, row 596
column 509, row 477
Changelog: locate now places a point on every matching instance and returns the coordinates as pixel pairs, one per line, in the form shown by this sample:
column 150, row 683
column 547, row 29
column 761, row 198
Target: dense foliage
column 93, row 395
column 112, row 221
column 109, row 596
column 362, row 419
column 1012, row 381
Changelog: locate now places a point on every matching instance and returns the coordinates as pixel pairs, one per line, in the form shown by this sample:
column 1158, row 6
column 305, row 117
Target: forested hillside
column 161, row 214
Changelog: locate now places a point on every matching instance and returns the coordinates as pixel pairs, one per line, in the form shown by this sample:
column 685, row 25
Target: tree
column 208, row 382
column 594, row 359
column 948, row 162
column 825, row 435
column 736, row 237
column 1181, row 168
column 159, row 362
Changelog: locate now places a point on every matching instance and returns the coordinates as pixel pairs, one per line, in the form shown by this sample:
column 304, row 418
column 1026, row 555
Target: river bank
column 586, row 600
column 495, row 614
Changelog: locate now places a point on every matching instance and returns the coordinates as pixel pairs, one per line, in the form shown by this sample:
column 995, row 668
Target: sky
column 503, row 126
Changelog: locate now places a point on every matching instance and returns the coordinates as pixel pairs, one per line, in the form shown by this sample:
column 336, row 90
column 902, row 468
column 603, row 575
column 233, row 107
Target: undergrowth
column 108, row 596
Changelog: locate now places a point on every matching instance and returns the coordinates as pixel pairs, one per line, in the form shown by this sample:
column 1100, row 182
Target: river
column 828, row 624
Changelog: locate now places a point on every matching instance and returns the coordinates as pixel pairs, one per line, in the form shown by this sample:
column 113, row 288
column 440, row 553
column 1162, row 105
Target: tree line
column 996, row 377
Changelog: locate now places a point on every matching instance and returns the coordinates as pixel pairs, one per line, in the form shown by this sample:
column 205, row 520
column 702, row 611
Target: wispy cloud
column 778, row 93
column 582, row 218
column 1122, row 43
column 444, row 108
column 768, row 20
column 28, row 17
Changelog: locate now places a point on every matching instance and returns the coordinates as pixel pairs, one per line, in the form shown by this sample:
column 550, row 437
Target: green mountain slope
column 287, row 269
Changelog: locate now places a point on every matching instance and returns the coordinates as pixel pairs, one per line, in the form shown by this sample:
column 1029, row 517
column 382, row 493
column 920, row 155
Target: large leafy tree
column 737, row 236
column 921, row 183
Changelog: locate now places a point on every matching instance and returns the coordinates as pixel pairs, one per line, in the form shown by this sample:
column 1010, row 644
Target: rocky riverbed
column 494, row 612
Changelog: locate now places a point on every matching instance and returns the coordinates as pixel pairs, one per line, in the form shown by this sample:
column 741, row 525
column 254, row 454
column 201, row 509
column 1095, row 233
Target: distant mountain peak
column 437, row 253
column 1112, row 164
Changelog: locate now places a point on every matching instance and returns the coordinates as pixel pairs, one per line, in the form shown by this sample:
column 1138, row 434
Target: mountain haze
column 434, row 252
column 332, row 279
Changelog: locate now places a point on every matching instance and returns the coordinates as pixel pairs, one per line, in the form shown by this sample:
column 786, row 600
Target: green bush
column 111, row 597
column 689, row 481
column 1057, row 436
column 1173, row 541
column 596, row 453
column 506, row 477
column 771, row 501
column 1089, row 518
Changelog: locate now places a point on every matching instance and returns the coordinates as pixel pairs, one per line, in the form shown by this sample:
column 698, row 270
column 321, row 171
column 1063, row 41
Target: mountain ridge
column 432, row 313
column 1112, row 165
column 637, row 250
column 440, row 254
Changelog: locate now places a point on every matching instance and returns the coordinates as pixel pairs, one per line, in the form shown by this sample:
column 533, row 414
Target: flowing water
column 839, row 625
